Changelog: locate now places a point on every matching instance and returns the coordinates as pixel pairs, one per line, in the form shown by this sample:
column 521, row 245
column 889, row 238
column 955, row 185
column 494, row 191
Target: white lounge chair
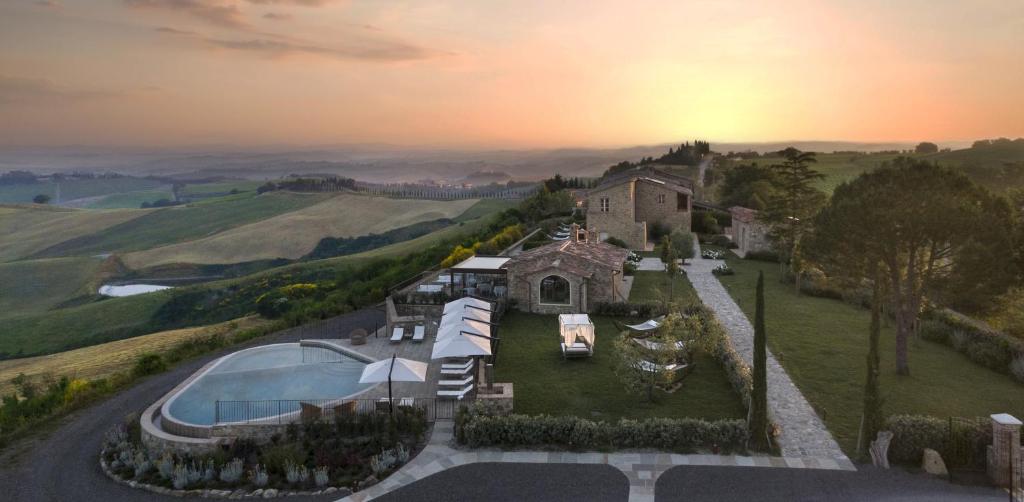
column 397, row 334
column 650, row 366
column 650, row 325
column 456, row 383
column 652, row 345
column 458, row 366
column 418, row 333
column 457, row 394
column 456, row 372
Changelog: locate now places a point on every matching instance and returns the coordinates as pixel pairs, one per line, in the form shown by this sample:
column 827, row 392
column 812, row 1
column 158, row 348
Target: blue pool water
column 265, row 373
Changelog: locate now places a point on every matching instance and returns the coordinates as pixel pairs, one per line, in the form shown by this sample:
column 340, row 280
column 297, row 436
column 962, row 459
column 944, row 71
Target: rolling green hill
column 182, row 223
column 29, row 229
column 38, row 285
column 75, row 188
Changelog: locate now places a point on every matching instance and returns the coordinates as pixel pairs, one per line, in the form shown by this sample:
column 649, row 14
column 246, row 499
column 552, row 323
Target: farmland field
column 75, row 189
column 27, row 230
column 130, row 200
column 296, row 233
column 182, row 223
column 105, row 359
column 37, row 285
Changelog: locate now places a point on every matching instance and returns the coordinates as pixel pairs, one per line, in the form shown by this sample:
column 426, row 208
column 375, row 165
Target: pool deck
column 378, row 346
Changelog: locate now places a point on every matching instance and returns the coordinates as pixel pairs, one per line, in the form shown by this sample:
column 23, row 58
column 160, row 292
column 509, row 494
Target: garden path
column 803, row 434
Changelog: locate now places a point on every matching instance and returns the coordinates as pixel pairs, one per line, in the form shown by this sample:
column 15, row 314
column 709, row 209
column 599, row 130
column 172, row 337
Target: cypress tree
column 759, row 397
column 873, row 418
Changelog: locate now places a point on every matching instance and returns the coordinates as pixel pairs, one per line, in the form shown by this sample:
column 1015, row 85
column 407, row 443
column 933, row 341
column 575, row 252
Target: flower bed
column 352, row 452
column 712, row 254
column 723, row 269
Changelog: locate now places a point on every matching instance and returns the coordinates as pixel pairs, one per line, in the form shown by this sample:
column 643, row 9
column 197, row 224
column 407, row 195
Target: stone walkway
column 651, row 264
column 803, row 433
column 642, row 469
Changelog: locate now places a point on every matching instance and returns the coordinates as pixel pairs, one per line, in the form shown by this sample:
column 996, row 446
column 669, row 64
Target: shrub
column 1017, row 368
column 913, row 433
column 148, row 364
column 480, row 429
column 258, row 476
column 988, row 348
column 615, row 241
column 658, row 229
column 321, row 476
column 624, row 309
column 723, row 269
column 296, row 473
column 682, row 243
column 232, row 471
column 935, row 331
column 769, row 256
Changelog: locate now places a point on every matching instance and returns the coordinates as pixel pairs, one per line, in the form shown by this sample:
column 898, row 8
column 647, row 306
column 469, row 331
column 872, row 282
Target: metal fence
column 284, row 411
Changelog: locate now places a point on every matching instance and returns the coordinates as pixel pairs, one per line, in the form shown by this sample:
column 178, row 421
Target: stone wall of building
column 651, row 209
column 620, row 220
column 750, row 237
column 584, row 294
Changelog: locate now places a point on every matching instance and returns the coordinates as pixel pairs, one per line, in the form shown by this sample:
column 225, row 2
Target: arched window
column 554, row 290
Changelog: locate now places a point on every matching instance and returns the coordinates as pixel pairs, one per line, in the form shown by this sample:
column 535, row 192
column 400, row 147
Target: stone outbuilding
column 627, row 204
column 568, row 277
column 748, row 233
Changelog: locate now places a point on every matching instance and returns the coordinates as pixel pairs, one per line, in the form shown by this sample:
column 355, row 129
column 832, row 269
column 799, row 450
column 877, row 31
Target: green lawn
column 529, row 357
column 649, row 286
column 822, row 344
column 178, row 224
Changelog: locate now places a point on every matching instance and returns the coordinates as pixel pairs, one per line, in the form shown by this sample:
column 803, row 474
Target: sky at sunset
column 511, row 74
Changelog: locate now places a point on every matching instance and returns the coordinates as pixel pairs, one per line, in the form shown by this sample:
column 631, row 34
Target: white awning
column 464, row 302
column 469, row 326
column 466, row 313
column 461, row 346
column 574, row 326
column 482, row 263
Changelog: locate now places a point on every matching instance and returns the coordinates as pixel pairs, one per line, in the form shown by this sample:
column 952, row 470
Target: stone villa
column 747, row 232
column 566, row 277
column 625, row 205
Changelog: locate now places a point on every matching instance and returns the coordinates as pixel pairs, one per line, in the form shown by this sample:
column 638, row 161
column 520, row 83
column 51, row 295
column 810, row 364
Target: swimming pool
column 270, row 372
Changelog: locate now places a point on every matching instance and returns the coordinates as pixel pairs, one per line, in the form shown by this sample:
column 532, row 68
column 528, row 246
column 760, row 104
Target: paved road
column 722, row 484
column 64, row 465
column 517, row 482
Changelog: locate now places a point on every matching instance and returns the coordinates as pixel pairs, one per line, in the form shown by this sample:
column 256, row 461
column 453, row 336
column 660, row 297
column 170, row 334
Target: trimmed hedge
column 989, row 348
column 624, row 309
column 913, row 433
column 478, row 428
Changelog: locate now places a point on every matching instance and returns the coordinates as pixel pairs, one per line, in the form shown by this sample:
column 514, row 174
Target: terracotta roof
column 744, row 214
column 571, row 256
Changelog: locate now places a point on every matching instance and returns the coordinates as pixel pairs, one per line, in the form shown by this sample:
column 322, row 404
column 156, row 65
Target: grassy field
column 74, row 189
column 651, row 287
column 27, row 230
column 296, row 233
column 823, row 343
column 587, row 387
column 89, row 324
column 116, row 318
column 484, row 207
column 221, row 187
column 838, row 167
column 103, row 360
column 130, row 200
column 37, row 285
column 178, row 224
